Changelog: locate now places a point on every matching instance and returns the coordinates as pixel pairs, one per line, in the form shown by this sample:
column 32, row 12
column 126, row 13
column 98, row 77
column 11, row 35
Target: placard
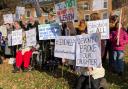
column 66, row 11
column 9, row 39
column 88, row 50
column 49, row 31
column 99, row 26
column 3, row 30
column 31, row 37
column 65, row 47
column 8, row 18
column 20, row 10
column 17, row 37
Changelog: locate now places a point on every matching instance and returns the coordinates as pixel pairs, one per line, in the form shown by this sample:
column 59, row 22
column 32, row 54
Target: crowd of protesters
column 109, row 47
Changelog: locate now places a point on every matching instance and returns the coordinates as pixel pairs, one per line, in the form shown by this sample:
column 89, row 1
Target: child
column 118, row 49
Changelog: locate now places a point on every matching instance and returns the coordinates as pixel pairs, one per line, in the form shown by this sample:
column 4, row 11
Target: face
column 16, row 25
column 31, row 19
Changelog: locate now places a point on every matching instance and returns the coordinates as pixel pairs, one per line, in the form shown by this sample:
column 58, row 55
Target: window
column 105, row 3
column 105, row 15
column 84, row 5
column 87, row 17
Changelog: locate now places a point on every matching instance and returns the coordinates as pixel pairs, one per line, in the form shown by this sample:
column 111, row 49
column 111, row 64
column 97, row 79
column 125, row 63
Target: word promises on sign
column 49, row 31
column 65, row 47
column 88, row 50
column 99, row 26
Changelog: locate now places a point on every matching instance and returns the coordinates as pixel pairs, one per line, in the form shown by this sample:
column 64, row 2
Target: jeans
column 118, row 61
column 83, row 82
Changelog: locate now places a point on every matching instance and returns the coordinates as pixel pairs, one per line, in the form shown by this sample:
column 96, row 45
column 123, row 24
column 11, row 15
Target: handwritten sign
column 3, row 30
column 88, row 50
column 99, row 26
column 31, row 37
column 9, row 39
column 20, row 10
column 66, row 11
column 49, row 31
column 8, row 18
column 17, row 37
column 65, row 47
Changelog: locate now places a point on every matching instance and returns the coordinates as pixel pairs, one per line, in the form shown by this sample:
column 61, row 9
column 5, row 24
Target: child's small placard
column 17, row 37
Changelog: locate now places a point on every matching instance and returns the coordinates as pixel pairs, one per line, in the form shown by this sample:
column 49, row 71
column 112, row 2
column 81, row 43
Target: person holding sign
column 91, row 77
column 118, row 49
column 23, row 53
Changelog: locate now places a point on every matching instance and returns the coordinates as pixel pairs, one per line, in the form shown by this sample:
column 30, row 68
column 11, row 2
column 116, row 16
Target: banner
column 99, row 26
column 9, row 39
column 66, row 11
column 88, row 50
column 31, row 37
column 49, row 31
column 99, row 4
column 65, row 47
column 8, row 18
column 17, row 37
column 3, row 30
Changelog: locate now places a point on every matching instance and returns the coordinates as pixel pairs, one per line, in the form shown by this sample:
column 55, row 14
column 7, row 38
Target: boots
column 16, row 70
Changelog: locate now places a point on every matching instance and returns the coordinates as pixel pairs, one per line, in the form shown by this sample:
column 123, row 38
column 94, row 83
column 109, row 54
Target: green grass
column 48, row 80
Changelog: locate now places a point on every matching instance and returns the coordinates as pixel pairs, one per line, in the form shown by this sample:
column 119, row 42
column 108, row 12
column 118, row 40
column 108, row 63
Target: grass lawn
column 47, row 80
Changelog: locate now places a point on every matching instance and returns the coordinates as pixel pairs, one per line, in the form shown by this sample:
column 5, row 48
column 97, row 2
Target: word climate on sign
column 88, row 50
column 65, row 47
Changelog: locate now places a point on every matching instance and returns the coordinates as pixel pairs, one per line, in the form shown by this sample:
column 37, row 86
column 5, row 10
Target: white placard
column 65, row 47
column 31, row 37
column 9, row 39
column 8, row 18
column 20, row 10
column 99, row 26
column 88, row 50
column 49, row 31
column 3, row 30
column 17, row 37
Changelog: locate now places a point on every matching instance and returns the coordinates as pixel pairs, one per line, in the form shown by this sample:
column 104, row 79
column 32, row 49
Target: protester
column 23, row 53
column 70, row 31
column 88, row 73
column 108, row 49
column 118, row 49
column 82, row 27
